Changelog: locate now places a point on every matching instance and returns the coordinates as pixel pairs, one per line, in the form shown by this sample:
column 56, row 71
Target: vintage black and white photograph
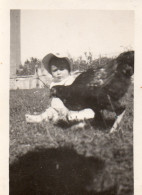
column 71, row 96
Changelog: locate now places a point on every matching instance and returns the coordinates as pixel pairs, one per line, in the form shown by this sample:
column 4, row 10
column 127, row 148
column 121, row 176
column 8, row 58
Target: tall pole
column 15, row 42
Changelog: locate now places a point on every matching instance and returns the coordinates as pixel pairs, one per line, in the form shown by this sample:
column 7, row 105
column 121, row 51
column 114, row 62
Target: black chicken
column 99, row 88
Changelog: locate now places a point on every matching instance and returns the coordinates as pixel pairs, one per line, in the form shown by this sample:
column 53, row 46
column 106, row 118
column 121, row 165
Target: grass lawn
column 91, row 158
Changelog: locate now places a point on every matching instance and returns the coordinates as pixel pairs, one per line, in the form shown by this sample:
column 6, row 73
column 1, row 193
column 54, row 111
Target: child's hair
column 61, row 63
column 50, row 59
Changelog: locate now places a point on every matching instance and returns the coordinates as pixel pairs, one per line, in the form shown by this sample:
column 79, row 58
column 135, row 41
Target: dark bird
column 99, row 88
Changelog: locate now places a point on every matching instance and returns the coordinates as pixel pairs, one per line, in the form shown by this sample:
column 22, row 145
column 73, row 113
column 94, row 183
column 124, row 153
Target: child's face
column 59, row 73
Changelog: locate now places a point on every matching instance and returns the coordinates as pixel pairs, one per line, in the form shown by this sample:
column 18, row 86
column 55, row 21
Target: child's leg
column 61, row 109
column 33, row 118
column 81, row 115
column 49, row 115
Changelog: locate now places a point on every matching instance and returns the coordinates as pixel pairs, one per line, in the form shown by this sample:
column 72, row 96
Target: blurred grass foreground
column 47, row 159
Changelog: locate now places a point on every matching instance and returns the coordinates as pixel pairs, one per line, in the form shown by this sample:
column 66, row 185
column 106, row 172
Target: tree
column 29, row 67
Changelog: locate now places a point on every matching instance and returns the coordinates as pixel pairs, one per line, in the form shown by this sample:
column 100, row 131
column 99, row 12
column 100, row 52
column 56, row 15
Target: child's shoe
column 81, row 115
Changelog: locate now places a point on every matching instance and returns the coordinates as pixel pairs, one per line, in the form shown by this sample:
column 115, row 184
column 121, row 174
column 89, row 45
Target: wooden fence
column 29, row 82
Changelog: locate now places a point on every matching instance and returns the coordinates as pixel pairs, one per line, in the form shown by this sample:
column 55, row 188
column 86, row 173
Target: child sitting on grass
column 60, row 70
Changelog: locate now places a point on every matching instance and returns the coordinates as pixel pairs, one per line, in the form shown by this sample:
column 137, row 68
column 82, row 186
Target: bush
column 89, row 62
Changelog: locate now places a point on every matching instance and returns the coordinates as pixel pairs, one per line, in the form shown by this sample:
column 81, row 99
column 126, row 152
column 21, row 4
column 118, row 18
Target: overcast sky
column 75, row 31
